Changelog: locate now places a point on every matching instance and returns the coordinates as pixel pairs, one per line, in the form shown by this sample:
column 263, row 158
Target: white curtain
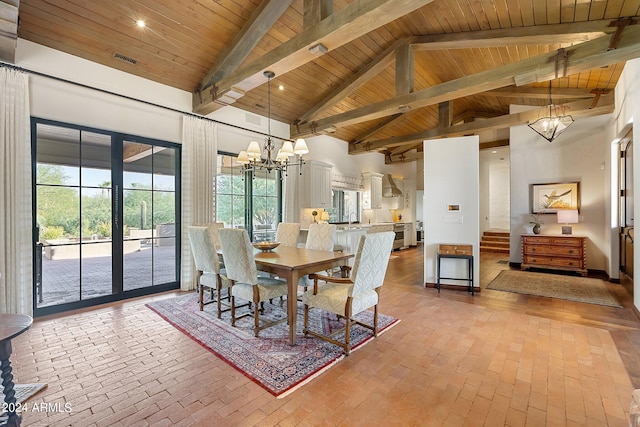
column 199, row 164
column 16, row 256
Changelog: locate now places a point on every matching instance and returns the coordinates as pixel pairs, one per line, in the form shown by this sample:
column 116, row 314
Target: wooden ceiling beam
column 577, row 109
column 538, row 34
column 405, row 70
column 355, row 82
column 8, row 30
column 397, row 156
column 343, row 26
column 539, row 93
column 541, row 68
column 377, row 128
column 260, row 21
column 315, row 11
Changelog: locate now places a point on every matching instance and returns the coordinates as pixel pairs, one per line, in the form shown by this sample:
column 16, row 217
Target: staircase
column 495, row 241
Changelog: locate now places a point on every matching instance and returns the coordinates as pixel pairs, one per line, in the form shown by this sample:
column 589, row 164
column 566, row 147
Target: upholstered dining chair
column 242, row 272
column 209, row 272
column 287, row 233
column 321, row 237
column 347, row 297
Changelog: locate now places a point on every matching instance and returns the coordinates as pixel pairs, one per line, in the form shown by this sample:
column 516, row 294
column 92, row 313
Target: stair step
column 497, row 233
column 496, row 238
column 494, row 250
column 495, row 244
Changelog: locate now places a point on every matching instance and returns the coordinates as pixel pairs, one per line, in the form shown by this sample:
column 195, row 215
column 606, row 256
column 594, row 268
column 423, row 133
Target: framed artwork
column 550, row 198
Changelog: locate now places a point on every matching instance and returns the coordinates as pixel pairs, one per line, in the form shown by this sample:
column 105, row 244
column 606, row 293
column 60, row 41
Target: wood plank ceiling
column 425, row 62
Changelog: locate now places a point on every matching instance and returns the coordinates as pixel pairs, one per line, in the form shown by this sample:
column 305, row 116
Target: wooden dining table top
column 294, row 258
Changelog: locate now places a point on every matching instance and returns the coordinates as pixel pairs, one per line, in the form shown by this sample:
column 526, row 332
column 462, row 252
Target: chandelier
column 552, row 125
column 251, row 158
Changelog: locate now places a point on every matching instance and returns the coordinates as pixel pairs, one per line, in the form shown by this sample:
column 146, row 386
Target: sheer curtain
column 199, row 164
column 16, row 256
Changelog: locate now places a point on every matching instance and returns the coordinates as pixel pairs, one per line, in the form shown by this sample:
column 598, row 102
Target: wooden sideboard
column 563, row 252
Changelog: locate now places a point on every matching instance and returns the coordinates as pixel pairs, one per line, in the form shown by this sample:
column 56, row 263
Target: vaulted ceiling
column 394, row 72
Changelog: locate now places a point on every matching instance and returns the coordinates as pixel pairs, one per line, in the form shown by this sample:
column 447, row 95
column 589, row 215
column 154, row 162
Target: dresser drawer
column 553, row 262
column 567, row 251
column 536, row 240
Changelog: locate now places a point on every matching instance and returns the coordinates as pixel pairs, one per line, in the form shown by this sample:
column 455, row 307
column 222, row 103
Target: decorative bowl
column 265, row 246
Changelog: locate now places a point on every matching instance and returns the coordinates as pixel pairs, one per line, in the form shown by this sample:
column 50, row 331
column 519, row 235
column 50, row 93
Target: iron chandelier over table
column 251, row 158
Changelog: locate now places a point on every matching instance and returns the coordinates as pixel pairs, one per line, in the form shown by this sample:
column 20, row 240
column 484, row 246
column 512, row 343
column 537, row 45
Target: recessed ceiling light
column 281, row 87
column 140, row 23
column 494, row 152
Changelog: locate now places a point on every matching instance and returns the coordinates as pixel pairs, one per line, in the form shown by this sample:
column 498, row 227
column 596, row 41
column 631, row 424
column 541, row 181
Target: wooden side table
column 11, row 325
column 456, row 252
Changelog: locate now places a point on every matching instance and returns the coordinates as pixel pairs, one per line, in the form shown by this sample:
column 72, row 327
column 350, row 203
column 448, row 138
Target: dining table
column 291, row 263
column 11, row 325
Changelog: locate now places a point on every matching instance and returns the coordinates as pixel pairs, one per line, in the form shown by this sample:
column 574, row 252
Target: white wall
column 580, row 154
column 451, row 176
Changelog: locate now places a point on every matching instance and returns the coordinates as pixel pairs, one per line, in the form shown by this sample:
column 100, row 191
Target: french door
column 106, row 216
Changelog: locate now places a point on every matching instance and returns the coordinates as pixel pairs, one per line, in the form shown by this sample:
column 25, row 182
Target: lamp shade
column 324, row 216
column 243, row 159
column 253, row 151
column 567, row 216
column 287, row 148
column 301, row 147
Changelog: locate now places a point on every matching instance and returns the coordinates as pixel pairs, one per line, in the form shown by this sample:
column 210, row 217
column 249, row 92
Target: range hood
column 389, row 188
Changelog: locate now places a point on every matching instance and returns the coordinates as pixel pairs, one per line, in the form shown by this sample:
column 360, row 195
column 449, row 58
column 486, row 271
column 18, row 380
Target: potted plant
column 535, row 221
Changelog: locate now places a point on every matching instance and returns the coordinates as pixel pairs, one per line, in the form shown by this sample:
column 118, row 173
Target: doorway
column 625, row 181
column 106, row 216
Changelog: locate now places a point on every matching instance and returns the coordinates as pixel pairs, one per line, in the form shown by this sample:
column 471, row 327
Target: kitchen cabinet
column 408, row 234
column 316, row 178
column 565, row 252
column 372, row 196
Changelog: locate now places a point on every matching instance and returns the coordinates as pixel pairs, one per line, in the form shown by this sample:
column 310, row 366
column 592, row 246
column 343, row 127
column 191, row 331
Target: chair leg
column 375, row 320
column 201, row 297
column 219, row 292
column 233, row 311
column 347, row 332
column 306, row 320
column 256, row 320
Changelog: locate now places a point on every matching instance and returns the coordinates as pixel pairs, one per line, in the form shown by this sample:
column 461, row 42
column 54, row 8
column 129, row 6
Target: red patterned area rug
column 268, row 360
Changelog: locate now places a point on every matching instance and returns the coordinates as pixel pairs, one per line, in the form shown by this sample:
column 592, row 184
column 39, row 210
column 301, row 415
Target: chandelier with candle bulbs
column 289, row 155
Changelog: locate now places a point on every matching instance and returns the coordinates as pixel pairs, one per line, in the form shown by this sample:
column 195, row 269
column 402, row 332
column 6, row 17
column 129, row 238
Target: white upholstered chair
column 347, row 297
column 287, row 233
column 209, row 272
column 241, row 269
column 321, row 237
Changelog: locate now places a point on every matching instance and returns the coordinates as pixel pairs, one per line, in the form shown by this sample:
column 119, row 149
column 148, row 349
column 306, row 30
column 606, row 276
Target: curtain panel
column 16, row 254
column 199, row 166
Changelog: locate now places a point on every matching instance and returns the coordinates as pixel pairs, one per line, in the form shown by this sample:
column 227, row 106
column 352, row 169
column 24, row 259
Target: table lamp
column 324, row 216
column 566, row 217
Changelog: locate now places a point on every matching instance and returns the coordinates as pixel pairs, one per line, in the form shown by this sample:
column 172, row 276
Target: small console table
column 11, row 325
column 456, row 252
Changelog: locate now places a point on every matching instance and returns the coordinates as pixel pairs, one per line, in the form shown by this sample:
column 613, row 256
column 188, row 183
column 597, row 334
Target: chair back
column 203, row 249
column 371, row 261
column 287, row 233
column 237, row 253
column 321, row 236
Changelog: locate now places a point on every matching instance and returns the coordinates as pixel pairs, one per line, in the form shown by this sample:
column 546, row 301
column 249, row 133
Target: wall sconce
column 567, row 216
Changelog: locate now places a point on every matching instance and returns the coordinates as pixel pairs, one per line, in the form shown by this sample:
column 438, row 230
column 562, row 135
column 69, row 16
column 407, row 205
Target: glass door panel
column 149, row 200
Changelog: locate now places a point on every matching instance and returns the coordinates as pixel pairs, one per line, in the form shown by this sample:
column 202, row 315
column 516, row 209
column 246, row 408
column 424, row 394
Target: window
column 345, row 206
column 252, row 201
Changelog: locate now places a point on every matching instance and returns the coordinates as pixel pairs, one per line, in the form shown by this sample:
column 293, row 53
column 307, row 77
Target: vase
column 536, row 229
